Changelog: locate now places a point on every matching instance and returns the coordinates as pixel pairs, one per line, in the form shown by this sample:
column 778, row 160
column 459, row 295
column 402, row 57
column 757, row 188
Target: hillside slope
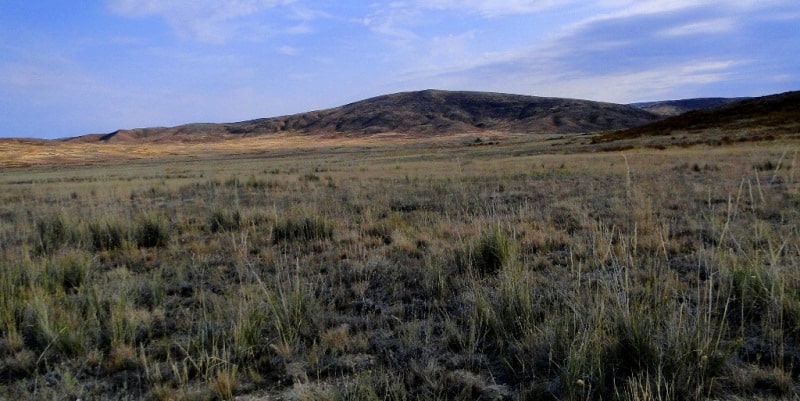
column 753, row 119
column 429, row 112
column 669, row 108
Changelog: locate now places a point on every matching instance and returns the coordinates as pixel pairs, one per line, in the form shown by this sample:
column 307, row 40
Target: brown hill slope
column 426, row 112
column 669, row 108
column 753, row 119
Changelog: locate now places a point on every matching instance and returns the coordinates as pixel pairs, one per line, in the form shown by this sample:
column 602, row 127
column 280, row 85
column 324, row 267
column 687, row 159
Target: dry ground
column 31, row 153
column 332, row 270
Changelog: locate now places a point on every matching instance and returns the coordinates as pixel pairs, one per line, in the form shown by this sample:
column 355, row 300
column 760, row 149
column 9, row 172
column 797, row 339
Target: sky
column 70, row 68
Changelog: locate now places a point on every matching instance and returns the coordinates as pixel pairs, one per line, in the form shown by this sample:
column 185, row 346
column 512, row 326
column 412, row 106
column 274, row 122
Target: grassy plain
column 402, row 272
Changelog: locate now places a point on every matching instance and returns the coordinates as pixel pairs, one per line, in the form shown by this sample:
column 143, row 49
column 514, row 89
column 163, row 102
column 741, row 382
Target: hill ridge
column 759, row 118
column 425, row 112
column 669, row 108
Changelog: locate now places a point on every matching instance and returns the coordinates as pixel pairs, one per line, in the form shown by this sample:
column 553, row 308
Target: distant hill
column 429, row 112
column 758, row 118
column 669, row 108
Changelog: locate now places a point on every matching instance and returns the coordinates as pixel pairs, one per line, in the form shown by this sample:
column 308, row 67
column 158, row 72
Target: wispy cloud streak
column 204, row 20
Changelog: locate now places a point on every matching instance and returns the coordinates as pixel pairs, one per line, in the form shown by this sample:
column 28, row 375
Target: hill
column 429, row 112
column 758, row 118
column 669, row 108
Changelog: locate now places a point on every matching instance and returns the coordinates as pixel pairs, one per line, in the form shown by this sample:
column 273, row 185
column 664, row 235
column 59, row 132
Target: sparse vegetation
column 401, row 273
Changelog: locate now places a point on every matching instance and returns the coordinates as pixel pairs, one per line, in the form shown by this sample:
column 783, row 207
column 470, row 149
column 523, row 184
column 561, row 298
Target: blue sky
column 69, row 68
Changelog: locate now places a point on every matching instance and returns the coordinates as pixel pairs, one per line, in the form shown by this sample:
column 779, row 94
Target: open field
column 32, row 153
column 365, row 271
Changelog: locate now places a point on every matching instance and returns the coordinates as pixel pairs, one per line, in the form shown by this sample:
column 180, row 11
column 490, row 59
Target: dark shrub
column 224, row 220
column 152, row 232
column 302, row 229
column 106, row 234
column 489, row 254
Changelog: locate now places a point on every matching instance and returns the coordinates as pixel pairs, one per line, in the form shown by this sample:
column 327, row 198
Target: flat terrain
column 298, row 267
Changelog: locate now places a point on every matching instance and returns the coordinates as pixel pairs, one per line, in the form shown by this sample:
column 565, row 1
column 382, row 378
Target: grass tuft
column 151, row 232
column 53, row 232
column 107, row 233
column 302, row 229
column 224, row 220
column 493, row 251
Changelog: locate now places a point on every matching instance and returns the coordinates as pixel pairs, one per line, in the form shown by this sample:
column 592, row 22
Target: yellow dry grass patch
column 21, row 153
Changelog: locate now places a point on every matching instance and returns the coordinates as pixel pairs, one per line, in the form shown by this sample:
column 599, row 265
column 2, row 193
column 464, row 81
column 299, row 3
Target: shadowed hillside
column 421, row 113
column 759, row 118
column 669, row 108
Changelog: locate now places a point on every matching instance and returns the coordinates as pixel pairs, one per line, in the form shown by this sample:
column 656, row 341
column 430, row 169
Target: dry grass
column 22, row 153
column 405, row 272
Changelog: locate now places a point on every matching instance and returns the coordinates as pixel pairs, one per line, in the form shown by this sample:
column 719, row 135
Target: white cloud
column 678, row 80
column 296, row 76
column 451, row 46
column 300, row 29
column 211, row 9
column 626, row 8
column 715, row 26
column 203, row 20
column 304, row 13
column 288, row 50
column 26, row 76
column 393, row 22
column 398, row 19
column 492, row 8
column 647, row 84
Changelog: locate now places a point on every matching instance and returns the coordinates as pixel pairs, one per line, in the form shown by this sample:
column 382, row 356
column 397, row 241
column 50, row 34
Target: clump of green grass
column 54, row 326
column 490, row 253
column 69, row 271
column 310, row 177
column 151, row 232
column 250, row 325
column 53, row 232
column 107, row 233
column 224, row 220
column 302, row 229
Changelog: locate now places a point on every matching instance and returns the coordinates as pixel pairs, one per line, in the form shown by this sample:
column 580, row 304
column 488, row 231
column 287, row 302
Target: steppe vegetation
column 467, row 272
